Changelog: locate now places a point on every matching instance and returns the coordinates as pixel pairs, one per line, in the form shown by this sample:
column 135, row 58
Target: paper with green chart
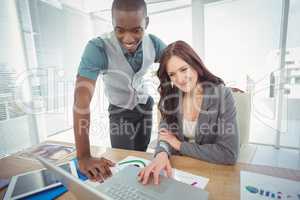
column 181, row 176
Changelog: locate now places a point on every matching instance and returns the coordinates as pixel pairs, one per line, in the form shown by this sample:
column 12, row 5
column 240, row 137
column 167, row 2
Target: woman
column 198, row 113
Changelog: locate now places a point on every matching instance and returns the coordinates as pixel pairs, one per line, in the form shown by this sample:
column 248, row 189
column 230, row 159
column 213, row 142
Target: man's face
column 129, row 27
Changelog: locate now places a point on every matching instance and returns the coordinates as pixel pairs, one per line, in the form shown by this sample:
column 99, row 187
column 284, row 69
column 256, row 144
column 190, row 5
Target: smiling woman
column 182, row 67
column 198, row 113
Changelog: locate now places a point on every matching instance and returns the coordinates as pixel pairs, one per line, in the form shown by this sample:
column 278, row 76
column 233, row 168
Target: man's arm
column 96, row 169
column 93, row 61
column 84, row 90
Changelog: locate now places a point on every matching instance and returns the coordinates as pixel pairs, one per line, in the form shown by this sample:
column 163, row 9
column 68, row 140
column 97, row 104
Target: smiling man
column 122, row 57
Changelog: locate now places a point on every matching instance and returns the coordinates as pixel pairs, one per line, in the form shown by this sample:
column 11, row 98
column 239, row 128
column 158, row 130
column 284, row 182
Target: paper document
column 191, row 179
column 261, row 187
column 50, row 151
column 181, row 176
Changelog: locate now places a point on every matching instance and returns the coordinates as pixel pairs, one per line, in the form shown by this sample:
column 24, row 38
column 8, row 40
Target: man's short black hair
column 129, row 5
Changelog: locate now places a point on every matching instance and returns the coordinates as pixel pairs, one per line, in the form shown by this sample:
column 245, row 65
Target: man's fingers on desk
column 89, row 175
column 99, row 173
column 105, row 171
column 109, row 162
column 94, row 174
column 108, row 171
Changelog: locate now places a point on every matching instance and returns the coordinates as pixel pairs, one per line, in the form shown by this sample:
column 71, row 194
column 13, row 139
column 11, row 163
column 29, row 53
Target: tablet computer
column 26, row 184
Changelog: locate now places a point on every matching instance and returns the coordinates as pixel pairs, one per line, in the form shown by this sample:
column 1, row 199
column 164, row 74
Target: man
column 122, row 57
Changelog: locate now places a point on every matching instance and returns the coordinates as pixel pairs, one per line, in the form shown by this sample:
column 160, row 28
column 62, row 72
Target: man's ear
column 147, row 22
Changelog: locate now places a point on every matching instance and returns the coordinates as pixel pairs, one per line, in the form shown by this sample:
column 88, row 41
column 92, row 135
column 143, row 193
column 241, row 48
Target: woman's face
column 182, row 74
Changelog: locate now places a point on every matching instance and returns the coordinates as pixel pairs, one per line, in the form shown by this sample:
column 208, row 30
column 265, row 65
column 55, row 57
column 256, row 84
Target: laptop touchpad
column 162, row 187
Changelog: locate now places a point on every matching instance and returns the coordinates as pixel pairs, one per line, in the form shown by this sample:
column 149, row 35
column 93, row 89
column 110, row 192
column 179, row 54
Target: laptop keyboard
column 124, row 192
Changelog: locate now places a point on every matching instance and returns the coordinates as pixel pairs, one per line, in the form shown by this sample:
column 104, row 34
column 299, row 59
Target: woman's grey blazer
column 216, row 133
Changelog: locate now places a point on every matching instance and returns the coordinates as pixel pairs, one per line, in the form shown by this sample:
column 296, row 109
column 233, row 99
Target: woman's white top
column 189, row 129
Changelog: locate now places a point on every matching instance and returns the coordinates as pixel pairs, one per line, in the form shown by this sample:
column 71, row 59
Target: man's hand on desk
column 96, row 169
column 160, row 162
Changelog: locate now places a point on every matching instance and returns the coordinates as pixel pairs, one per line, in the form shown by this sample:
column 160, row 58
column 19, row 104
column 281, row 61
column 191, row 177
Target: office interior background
column 253, row 45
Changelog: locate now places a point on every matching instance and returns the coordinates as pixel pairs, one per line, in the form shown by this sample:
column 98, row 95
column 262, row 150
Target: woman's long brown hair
column 169, row 96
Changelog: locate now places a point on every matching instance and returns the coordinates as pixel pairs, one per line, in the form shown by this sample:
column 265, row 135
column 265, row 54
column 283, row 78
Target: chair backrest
column 243, row 115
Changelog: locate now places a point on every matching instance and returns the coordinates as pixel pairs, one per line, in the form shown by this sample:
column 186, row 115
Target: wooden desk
column 224, row 181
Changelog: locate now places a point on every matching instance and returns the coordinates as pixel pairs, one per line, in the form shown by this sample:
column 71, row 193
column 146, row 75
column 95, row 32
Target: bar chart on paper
column 261, row 187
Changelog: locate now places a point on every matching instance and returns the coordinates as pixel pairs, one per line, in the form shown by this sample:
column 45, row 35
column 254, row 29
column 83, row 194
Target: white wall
column 15, row 134
column 173, row 25
column 242, row 38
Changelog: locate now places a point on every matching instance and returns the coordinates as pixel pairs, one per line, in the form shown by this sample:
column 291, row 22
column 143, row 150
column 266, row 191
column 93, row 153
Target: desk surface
column 224, row 181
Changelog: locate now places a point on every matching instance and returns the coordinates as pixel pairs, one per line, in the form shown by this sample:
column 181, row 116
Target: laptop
column 124, row 185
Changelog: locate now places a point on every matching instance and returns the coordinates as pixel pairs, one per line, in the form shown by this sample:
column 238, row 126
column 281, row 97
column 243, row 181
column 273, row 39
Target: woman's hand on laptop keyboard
column 159, row 163
column 96, row 169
